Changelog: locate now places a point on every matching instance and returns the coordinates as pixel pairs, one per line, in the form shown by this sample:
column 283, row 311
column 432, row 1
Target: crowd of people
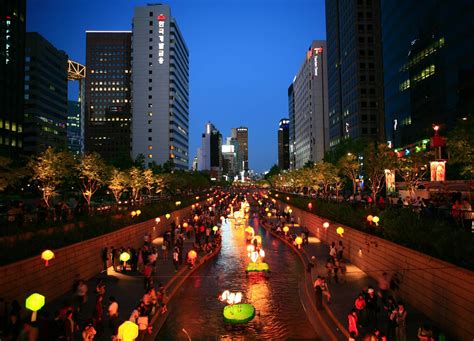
column 90, row 316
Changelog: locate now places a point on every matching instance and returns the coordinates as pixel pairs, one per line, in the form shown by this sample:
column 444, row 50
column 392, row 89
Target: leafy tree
column 118, row 183
column 137, row 181
column 349, row 166
column 92, row 175
column 273, row 171
column 327, row 174
column 347, row 145
column 413, row 168
column 49, row 170
column 159, row 183
column 377, row 158
column 149, row 179
column 461, row 146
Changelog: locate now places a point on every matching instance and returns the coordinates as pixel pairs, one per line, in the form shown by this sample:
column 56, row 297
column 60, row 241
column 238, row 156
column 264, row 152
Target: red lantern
column 310, row 206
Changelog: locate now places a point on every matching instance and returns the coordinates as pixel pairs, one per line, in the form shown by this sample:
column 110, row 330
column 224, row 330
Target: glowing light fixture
column 128, row 331
column 376, row 220
column 34, row 302
column 340, row 231
column 326, row 225
column 299, row 241
column 47, row 255
column 167, row 215
column 124, row 257
column 286, row 229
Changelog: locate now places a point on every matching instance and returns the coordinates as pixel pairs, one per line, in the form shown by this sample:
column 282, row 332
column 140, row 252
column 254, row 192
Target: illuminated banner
column 438, row 170
column 317, row 52
column 161, row 36
column 390, row 181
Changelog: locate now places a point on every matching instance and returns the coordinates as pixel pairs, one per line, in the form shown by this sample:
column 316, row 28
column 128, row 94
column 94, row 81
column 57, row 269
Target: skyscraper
column 160, row 91
column 291, row 115
column 284, row 144
column 428, row 66
column 12, row 68
column 230, row 161
column 355, row 72
column 108, row 90
column 210, row 154
column 310, row 121
column 241, row 134
column 74, row 127
column 46, row 106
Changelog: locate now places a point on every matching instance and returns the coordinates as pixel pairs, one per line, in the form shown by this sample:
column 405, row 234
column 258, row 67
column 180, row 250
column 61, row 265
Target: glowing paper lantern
column 225, row 295
column 157, row 220
column 193, row 206
column 238, row 298
column 269, row 214
column 254, row 256
column 370, row 218
column 196, row 218
column 326, row 225
column 185, row 225
column 215, row 228
column 299, row 241
column 286, row 229
column 262, row 253
column 133, row 213
column 376, row 220
column 192, row 254
column 177, row 203
column 290, row 211
column 47, row 255
column 310, row 206
column 197, row 198
column 167, row 215
column 267, row 209
column 287, row 198
column 222, row 218
column 124, row 257
column 276, row 195
column 250, row 248
column 34, row 302
column 138, row 212
column 231, row 298
column 128, row 331
column 340, row 230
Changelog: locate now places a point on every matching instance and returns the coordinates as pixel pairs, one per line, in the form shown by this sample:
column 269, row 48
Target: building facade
column 230, row 160
column 210, row 152
column 12, row 67
column 108, row 94
column 160, row 88
column 46, row 104
column 241, row 134
column 284, row 144
column 428, row 66
column 311, row 138
column 291, row 115
column 355, row 70
column 73, row 127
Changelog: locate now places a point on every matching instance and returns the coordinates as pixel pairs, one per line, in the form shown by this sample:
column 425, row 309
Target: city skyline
column 231, row 84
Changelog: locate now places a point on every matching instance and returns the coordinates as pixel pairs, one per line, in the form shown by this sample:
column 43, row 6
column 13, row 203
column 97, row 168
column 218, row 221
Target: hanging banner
column 438, row 170
column 390, row 181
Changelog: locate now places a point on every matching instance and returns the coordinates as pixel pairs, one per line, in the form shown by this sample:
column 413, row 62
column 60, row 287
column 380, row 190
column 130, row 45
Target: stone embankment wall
column 81, row 260
column 441, row 290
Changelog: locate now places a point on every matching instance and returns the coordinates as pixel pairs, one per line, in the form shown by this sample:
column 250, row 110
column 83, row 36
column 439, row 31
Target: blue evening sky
column 243, row 56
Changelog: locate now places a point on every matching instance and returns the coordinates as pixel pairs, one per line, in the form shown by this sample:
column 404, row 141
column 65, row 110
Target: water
column 195, row 306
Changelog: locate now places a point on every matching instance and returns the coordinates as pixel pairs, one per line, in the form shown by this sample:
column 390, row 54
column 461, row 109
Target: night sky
column 243, row 56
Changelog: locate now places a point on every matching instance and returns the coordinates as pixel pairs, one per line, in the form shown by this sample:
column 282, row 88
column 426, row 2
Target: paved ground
column 344, row 294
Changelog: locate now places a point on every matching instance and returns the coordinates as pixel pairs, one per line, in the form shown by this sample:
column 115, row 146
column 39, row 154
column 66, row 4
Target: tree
column 377, row 158
column 137, row 181
column 49, row 169
column 92, row 175
column 149, row 180
column 118, row 183
column 461, row 146
column 327, row 174
column 7, row 174
column 349, row 166
column 413, row 168
column 273, row 171
column 159, row 183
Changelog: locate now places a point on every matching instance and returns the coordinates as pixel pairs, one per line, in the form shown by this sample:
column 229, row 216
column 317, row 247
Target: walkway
column 344, row 294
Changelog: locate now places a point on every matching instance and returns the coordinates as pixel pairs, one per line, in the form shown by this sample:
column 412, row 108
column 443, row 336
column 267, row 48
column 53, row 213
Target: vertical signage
column 317, row 52
column 7, row 40
column 161, row 36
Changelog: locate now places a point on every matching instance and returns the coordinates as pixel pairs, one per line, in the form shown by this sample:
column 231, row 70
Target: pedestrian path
column 344, row 293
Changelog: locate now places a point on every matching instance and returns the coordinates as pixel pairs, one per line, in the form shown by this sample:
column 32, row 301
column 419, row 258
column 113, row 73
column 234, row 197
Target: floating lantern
column 340, row 230
column 185, row 225
column 34, row 302
column 167, row 215
column 157, row 220
column 133, row 213
column 310, row 206
column 370, row 218
column 299, row 241
column 326, row 225
column 47, row 255
column 286, row 229
column 138, row 212
column 215, row 228
column 376, row 220
column 128, row 331
column 124, row 257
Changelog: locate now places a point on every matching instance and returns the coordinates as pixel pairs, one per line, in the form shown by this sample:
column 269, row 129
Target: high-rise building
column 355, row 71
column 46, row 106
column 210, row 155
column 73, row 127
column 12, row 67
column 241, row 134
column 311, row 138
column 108, row 91
column 291, row 115
column 160, row 87
column 428, row 66
column 230, row 161
column 284, row 144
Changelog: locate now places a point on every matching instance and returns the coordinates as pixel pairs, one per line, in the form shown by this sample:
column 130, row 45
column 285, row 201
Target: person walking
column 318, row 293
column 113, row 315
column 371, row 302
column 401, row 318
column 352, row 320
column 176, row 258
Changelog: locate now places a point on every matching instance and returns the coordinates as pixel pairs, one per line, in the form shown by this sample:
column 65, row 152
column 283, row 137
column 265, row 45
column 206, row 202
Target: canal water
column 196, row 312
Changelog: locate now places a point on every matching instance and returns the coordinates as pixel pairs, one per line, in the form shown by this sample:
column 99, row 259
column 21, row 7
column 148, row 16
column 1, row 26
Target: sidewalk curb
column 182, row 276
column 326, row 307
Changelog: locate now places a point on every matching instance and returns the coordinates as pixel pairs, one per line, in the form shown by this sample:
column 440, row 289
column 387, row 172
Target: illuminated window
column 150, row 156
column 7, row 125
column 150, row 147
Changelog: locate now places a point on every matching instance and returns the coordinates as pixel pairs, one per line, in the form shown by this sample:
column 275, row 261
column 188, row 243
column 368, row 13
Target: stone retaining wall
column 81, row 260
column 441, row 290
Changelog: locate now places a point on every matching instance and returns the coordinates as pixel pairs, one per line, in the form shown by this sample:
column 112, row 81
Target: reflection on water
column 196, row 308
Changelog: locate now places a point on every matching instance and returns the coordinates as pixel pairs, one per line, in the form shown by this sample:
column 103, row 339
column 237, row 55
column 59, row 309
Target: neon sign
column 161, row 36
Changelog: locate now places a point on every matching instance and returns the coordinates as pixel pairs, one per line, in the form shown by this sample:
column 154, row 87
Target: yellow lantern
column 376, row 220
column 167, row 215
column 138, row 212
column 340, row 230
column 215, row 228
column 287, row 198
column 267, row 209
column 326, row 225
column 34, row 302
column 269, row 214
column 47, row 255
column 192, row 254
column 197, row 198
column 193, row 206
column 299, row 241
column 196, row 218
column 128, row 331
column 370, row 218
column 286, row 229
column 185, row 225
column 276, row 195
column 290, row 211
column 124, row 257
column 157, row 220
column 133, row 213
